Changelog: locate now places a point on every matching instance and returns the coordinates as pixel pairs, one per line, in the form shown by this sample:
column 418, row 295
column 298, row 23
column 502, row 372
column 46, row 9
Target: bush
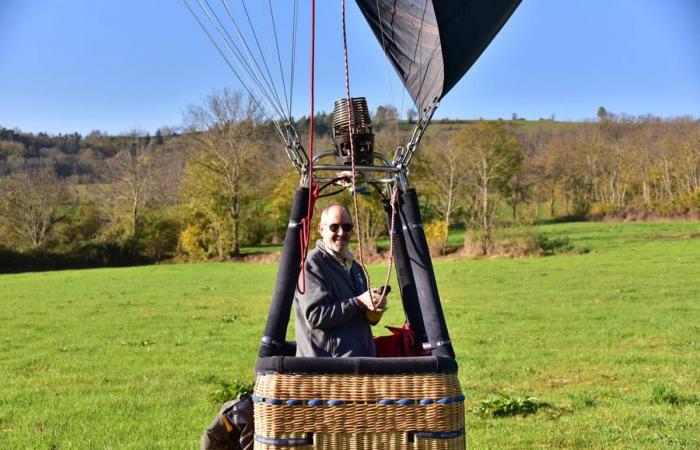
column 226, row 391
column 82, row 255
column 158, row 238
column 190, row 242
column 660, row 393
column 436, row 235
column 685, row 206
column 505, row 406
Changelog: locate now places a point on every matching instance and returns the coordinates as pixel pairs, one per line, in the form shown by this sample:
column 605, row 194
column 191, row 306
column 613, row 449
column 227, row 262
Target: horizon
column 178, row 130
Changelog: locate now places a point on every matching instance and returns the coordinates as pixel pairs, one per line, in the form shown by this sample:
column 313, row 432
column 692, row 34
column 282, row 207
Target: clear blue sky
column 80, row 65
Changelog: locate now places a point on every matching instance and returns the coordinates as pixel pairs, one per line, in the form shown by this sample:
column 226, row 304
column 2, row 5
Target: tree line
column 221, row 182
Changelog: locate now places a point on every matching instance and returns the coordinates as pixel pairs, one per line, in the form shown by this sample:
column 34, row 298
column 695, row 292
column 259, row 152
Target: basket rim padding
column 355, row 365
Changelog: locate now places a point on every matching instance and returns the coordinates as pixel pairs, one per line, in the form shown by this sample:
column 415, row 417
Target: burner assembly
column 360, row 133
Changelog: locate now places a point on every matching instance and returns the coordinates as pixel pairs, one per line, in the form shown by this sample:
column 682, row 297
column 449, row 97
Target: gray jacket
column 329, row 320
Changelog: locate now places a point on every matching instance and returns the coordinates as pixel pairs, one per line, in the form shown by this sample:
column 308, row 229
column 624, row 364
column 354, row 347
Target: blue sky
column 81, row 65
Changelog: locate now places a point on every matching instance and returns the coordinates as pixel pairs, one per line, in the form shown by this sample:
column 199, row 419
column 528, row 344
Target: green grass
column 133, row 358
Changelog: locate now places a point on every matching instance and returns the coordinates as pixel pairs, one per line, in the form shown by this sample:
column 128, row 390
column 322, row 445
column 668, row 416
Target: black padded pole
column 424, row 276
column 407, row 285
column 274, row 340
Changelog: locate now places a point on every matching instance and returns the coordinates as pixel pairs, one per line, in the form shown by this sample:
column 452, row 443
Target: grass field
column 609, row 339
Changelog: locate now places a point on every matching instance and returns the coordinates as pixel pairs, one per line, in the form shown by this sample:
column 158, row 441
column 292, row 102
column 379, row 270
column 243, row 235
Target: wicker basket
column 420, row 410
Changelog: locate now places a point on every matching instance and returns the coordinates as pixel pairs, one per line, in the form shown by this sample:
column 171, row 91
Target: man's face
column 336, row 218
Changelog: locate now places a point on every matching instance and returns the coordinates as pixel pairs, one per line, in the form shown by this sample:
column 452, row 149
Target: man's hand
column 374, row 304
column 372, row 301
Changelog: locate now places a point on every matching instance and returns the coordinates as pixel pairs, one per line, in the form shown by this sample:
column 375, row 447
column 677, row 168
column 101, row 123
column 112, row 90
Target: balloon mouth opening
column 352, row 132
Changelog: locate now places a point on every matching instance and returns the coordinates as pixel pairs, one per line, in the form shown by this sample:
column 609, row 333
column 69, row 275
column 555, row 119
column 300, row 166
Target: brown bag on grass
column 232, row 428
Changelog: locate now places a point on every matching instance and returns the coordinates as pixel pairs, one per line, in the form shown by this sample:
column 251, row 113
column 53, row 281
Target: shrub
column 505, row 406
column 190, row 242
column 158, row 237
column 660, row 393
column 85, row 254
column 436, row 235
column 226, row 391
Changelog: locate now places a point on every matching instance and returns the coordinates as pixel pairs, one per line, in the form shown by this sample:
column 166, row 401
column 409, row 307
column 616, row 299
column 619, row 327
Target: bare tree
column 491, row 158
column 411, row 115
column 30, row 205
column 225, row 133
column 135, row 182
column 440, row 165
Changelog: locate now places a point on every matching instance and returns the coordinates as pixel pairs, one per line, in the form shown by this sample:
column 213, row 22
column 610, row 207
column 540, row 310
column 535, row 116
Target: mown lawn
column 129, row 358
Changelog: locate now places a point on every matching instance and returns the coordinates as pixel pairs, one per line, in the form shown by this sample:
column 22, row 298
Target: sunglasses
column 334, row 227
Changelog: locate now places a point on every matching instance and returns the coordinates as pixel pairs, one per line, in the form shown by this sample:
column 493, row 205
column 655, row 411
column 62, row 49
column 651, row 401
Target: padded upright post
column 424, row 276
column 274, row 340
column 407, row 285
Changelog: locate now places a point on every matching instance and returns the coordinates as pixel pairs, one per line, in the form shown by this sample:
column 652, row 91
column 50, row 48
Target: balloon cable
column 313, row 186
column 352, row 147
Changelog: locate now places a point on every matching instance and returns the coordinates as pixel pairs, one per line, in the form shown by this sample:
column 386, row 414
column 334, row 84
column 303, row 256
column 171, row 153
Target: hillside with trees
column 222, row 182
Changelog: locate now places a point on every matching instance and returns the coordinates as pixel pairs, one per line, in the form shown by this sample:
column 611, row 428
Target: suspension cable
column 352, row 147
column 388, row 74
column 294, row 52
column 257, row 43
column 233, row 69
column 313, row 186
column 271, row 92
column 279, row 55
column 216, row 23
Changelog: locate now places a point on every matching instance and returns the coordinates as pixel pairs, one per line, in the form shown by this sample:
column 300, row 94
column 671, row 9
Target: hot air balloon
column 342, row 403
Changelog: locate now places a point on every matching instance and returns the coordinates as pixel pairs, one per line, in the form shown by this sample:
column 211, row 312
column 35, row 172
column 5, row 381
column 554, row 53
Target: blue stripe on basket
column 337, row 402
column 289, row 442
column 436, row 434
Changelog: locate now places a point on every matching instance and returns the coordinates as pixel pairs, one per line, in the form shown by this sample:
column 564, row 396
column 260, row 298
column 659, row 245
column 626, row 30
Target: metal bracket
column 403, row 155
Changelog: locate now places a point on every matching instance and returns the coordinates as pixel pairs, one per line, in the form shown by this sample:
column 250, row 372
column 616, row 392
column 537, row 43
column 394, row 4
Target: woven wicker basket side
column 420, row 411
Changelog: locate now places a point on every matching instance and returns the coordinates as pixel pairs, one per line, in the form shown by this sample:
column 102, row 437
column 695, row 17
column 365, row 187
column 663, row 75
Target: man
column 333, row 318
column 333, row 314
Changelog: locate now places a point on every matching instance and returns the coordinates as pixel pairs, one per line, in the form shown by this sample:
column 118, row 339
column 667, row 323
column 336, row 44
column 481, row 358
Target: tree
column 602, row 114
column 385, row 115
column 491, row 158
column 135, row 181
column 411, row 115
column 30, row 206
column 158, row 138
column 225, row 136
column 440, row 167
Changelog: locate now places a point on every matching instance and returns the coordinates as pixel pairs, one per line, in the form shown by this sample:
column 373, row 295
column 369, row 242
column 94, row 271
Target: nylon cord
column 226, row 38
column 313, row 186
column 294, row 52
column 352, row 148
column 268, row 80
column 279, row 55
column 235, row 73
column 257, row 43
column 388, row 73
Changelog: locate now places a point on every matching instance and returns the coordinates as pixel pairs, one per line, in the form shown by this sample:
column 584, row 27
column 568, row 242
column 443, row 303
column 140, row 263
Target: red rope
column 352, row 148
column 313, row 186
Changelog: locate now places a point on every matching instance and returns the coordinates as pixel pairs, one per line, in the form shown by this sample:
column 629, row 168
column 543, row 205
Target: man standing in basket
column 334, row 313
